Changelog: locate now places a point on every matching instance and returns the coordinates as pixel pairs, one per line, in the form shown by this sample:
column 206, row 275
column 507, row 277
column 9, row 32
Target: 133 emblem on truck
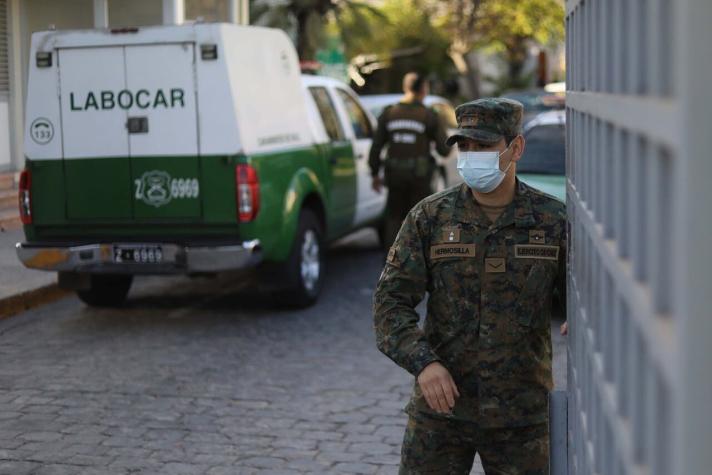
column 157, row 188
column 41, row 131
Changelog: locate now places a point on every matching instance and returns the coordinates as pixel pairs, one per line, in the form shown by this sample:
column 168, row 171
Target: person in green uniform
column 491, row 254
column 407, row 129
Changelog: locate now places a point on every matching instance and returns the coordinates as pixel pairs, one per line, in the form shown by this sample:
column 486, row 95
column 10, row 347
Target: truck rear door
column 95, row 144
column 129, row 128
column 163, row 131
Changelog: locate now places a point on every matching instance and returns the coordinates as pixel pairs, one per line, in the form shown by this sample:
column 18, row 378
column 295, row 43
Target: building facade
column 20, row 18
column 638, row 144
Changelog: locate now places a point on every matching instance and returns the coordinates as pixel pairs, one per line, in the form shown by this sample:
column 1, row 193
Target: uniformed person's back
column 407, row 129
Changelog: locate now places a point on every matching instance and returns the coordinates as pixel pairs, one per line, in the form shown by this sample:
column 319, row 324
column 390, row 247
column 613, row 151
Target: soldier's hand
column 438, row 387
column 564, row 329
column 377, row 184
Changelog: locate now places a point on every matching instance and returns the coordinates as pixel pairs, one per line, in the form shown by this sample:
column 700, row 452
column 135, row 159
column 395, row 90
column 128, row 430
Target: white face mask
column 480, row 170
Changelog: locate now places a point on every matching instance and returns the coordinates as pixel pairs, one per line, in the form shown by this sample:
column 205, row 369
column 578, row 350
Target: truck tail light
column 248, row 193
column 25, row 197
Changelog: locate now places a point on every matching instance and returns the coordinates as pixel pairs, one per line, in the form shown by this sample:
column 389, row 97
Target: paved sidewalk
column 15, row 279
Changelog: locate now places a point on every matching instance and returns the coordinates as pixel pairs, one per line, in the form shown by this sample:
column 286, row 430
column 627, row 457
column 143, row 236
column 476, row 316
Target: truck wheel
column 305, row 267
column 106, row 290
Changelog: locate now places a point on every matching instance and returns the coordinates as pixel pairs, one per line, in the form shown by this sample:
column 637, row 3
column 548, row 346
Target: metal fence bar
column 558, row 424
column 636, row 296
column 655, row 118
column 691, row 403
column 638, row 197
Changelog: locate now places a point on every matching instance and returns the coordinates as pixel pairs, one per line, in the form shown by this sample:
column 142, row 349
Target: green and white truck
column 187, row 149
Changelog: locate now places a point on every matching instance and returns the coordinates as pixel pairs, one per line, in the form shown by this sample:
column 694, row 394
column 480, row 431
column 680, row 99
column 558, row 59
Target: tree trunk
column 302, row 36
column 473, row 78
column 516, row 58
column 468, row 70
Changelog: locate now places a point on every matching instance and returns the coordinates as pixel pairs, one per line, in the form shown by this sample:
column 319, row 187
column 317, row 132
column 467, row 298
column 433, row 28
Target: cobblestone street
column 203, row 377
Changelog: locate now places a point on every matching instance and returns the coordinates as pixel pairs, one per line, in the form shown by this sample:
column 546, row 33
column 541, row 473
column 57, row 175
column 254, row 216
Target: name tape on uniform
column 536, row 251
column 441, row 251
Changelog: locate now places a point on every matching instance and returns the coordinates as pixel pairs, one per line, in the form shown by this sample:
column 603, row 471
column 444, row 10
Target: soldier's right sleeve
column 379, row 140
column 400, row 289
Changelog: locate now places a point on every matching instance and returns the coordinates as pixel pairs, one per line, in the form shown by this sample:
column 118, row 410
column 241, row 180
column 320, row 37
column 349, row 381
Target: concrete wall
column 25, row 17
column 135, row 13
column 5, row 144
column 38, row 15
column 209, row 10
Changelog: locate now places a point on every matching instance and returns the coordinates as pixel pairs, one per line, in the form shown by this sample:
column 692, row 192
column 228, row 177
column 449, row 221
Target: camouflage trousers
column 401, row 198
column 435, row 445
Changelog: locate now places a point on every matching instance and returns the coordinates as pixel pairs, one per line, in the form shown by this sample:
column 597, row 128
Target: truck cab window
column 358, row 118
column 327, row 113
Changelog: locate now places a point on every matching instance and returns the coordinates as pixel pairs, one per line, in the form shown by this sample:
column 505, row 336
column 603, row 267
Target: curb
column 18, row 303
column 12, row 222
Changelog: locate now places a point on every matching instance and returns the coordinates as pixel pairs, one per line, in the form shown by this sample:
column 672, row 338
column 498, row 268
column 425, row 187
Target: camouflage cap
column 488, row 120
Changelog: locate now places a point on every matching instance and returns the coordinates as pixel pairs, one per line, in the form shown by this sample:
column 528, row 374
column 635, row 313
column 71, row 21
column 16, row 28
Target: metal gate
column 639, row 165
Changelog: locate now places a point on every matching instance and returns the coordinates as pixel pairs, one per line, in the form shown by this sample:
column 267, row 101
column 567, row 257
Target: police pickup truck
column 187, row 149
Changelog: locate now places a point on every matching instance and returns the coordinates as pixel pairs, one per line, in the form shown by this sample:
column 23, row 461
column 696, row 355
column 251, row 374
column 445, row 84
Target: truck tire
column 304, row 269
column 106, row 290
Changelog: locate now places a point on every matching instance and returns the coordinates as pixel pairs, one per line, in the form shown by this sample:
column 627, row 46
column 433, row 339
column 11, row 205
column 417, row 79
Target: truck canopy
column 210, row 89
column 138, row 116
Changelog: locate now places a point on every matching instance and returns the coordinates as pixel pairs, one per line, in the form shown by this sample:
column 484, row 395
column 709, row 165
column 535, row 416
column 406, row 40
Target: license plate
column 138, row 254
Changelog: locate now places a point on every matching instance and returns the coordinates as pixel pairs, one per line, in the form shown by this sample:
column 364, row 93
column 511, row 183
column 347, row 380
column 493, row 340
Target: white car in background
column 447, row 174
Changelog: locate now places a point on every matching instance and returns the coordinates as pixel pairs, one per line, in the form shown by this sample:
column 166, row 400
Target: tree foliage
column 443, row 32
column 401, row 36
column 307, row 19
column 504, row 22
column 508, row 27
column 512, row 25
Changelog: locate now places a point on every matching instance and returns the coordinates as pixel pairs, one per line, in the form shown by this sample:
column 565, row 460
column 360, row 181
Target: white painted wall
column 135, row 13
column 5, row 159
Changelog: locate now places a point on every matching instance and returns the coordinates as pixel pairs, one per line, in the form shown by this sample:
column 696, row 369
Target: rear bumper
column 176, row 259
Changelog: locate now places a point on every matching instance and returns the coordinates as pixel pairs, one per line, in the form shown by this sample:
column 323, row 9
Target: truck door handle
column 137, row 125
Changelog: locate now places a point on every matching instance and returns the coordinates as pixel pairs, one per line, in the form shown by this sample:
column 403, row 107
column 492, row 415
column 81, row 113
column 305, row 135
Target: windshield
column 538, row 100
column 376, row 111
column 545, row 151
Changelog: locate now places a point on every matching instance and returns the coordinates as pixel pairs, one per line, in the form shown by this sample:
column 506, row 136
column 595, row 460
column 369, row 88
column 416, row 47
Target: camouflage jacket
column 490, row 289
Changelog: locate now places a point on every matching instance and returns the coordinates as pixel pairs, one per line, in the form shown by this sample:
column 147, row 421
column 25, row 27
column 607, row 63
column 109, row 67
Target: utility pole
column 173, row 12
column 239, row 12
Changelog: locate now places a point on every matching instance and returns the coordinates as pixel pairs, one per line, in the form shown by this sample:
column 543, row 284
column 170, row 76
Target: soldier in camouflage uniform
column 407, row 128
column 491, row 260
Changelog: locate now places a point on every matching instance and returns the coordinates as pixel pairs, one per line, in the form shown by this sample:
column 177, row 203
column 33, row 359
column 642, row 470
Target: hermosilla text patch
column 441, row 251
